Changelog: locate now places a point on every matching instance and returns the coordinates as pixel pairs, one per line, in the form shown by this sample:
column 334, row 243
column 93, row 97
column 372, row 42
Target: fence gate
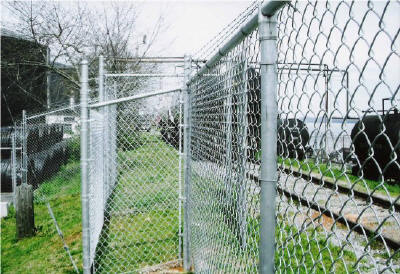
column 134, row 177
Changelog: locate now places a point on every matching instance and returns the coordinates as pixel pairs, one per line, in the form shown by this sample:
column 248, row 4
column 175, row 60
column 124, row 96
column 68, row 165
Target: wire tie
column 268, row 181
column 267, row 64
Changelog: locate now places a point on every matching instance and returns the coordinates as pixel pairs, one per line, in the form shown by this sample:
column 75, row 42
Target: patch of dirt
column 166, row 268
column 324, row 220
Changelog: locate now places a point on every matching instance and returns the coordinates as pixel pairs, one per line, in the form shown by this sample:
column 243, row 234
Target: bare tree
column 74, row 30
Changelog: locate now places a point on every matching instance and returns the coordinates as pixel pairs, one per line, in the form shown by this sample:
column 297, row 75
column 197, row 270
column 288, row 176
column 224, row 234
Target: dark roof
column 9, row 33
column 62, row 66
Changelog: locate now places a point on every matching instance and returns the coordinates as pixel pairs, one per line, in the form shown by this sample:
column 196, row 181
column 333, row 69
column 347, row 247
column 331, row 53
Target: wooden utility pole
column 24, row 211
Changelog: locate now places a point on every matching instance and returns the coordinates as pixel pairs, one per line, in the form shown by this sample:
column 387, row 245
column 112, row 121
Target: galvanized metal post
column 269, row 116
column 104, row 124
column 13, row 165
column 101, row 78
column 187, row 157
column 85, row 167
column 24, row 149
column 180, row 175
column 48, row 79
column 112, row 136
column 243, row 152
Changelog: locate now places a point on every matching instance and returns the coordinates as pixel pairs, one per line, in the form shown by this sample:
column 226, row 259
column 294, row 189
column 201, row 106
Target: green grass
column 309, row 165
column 142, row 227
column 309, row 251
column 143, row 222
column 297, row 251
column 44, row 252
column 65, row 182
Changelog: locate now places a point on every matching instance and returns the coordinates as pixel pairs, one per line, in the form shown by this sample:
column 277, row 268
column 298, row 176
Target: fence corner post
column 85, row 166
column 187, row 157
column 269, row 116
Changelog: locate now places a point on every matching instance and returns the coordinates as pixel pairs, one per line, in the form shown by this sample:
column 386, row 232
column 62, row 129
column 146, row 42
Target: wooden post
column 24, row 211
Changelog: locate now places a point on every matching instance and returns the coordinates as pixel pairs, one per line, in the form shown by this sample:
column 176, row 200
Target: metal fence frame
column 103, row 162
column 266, row 21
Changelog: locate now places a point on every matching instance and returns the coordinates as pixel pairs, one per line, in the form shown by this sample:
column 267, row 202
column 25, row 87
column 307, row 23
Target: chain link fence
column 338, row 203
column 52, row 150
column 291, row 150
column 337, row 144
column 224, row 202
column 50, row 159
column 10, row 158
column 134, row 175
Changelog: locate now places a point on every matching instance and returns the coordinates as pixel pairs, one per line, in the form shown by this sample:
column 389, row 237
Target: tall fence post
column 104, row 141
column 101, row 78
column 187, row 157
column 24, row 168
column 269, row 116
column 24, row 212
column 13, row 165
column 85, row 167
column 180, row 175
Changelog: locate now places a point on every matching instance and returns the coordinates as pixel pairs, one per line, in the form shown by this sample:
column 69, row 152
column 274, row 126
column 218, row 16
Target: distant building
column 23, row 81
column 61, row 89
column 24, row 78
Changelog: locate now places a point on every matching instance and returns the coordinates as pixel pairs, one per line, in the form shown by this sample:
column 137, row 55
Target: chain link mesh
column 134, row 178
column 338, row 137
column 53, row 151
column 10, row 167
column 338, row 145
column 224, row 201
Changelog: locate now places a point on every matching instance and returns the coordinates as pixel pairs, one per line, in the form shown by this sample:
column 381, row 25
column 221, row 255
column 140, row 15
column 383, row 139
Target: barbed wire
column 211, row 46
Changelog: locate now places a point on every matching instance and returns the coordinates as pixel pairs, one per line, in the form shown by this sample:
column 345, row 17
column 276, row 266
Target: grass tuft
column 44, row 252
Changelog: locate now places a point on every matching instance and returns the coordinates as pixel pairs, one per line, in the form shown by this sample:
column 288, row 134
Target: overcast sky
column 190, row 23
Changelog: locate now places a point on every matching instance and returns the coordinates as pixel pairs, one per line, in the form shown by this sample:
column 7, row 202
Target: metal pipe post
column 103, row 163
column 269, row 116
column 24, row 149
column 85, row 167
column 13, row 165
column 101, row 78
column 186, row 210
column 180, row 174
column 48, row 79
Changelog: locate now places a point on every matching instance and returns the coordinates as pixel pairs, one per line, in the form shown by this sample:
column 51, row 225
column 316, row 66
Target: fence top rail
column 269, row 8
column 134, row 97
column 53, row 111
column 155, row 59
column 142, row 75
